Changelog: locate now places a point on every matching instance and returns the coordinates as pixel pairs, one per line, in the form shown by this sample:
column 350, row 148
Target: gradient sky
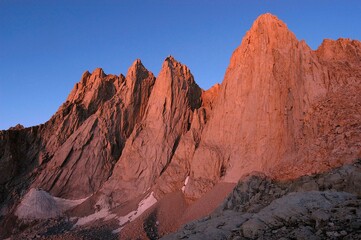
column 46, row 45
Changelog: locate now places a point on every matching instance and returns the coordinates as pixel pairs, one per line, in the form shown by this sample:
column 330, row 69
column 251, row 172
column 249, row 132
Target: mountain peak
column 137, row 69
column 98, row 72
column 268, row 18
column 268, row 24
column 136, row 63
column 266, row 34
column 171, row 63
column 342, row 49
column 135, row 66
column 170, row 58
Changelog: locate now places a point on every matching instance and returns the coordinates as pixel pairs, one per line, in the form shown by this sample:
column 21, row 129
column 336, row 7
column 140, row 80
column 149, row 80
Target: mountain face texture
column 138, row 156
column 276, row 96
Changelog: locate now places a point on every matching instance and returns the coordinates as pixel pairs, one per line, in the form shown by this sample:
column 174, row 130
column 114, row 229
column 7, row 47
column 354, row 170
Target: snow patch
column 117, row 230
column 146, row 203
column 105, row 214
column 185, row 184
column 102, row 214
column 39, row 204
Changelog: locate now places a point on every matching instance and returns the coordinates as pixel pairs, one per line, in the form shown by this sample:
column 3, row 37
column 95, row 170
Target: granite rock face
column 282, row 110
column 153, row 143
column 107, row 108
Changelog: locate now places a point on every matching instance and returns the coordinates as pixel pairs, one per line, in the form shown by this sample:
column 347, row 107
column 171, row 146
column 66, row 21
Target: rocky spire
column 152, row 144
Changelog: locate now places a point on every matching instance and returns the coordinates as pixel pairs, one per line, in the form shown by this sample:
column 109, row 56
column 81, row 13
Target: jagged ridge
column 282, row 109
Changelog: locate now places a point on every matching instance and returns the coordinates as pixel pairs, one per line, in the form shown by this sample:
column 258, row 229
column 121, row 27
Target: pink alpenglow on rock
column 122, row 150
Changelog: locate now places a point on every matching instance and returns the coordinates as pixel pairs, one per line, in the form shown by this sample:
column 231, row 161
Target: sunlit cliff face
column 282, row 110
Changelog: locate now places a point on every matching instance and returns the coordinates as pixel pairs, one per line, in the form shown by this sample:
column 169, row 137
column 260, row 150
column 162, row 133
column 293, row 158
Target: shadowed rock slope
column 121, row 143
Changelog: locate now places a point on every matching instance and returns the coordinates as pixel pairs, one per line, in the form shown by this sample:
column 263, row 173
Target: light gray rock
column 293, row 208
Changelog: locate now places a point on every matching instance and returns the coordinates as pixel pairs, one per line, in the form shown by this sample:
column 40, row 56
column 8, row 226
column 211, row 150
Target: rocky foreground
column 323, row 206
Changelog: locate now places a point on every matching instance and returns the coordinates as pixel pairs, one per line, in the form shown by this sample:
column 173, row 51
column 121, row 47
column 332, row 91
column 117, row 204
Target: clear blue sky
column 46, row 45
